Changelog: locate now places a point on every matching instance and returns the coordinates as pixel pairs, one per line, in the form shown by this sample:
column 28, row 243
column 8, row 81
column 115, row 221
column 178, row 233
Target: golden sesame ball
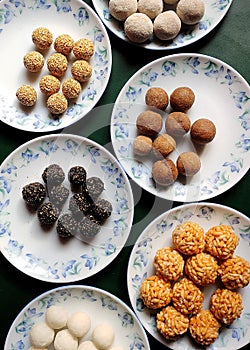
column 204, row 328
column 187, row 298
column 182, row 99
column 188, row 238
column 142, row 145
column 188, row 163
column 221, row 241
column 57, row 103
column 63, row 44
column 164, row 172
column 157, row 97
column 168, row 263
column 42, row 38
column 202, row 269
column 49, row 84
column 26, row 95
column 57, row 64
column 71, row 88
column 33, row 61
column 81, row 70
column 235, row 272
column 155, row 292
column 83, row 49
column 226, row 305
column 171, row 323
column 163, row 145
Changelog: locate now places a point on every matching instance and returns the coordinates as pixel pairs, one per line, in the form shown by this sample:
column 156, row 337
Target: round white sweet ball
column 79, row 324
column 167, row 25
column 190, row 11
column 103, row 336
column 138, row 27
column 121, row 9
column 87, row 345
column 41, row 335
column 151, row 8
column 56, row 316
column 64, row 340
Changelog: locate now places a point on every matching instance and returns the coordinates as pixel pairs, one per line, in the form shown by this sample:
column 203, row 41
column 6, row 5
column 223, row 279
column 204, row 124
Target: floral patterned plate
column 221, row 95
column 40, row 253
column 215, row 10
column 157, row 235
column 100, row 305
column 73, row 17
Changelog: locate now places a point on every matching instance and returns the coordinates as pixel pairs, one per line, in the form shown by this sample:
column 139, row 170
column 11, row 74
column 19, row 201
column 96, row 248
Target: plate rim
column 82, row 139
column 136, row 74
column 110, row 65
column 151, row 224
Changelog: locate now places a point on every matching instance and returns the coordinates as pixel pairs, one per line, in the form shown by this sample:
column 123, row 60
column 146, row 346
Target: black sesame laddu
column 53, row 175
column 58, row 195
column 34, row 194
column 66, row 226
column 88, row 227
column 77, row 175
column 47, row 214
column 101, row 210
column 79, row 205
column 94, row 187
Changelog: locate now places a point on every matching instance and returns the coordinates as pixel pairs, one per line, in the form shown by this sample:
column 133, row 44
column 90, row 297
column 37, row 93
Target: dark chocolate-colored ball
column 58, row 195
column 77, row 175
column 66, row 226
column 34, row 194
column 88, row 227
column 47, row 214
column 101, row 210
column 53, row 175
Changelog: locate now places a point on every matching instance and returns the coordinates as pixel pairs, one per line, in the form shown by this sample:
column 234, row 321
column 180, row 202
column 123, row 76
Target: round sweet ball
column 177, row 124
column 41, row 335
column 226, row 305
column 103, row 336
column 26, row 95
column 81, row 70
column 71, row 88
column 168, row 263
column 142, row 145
column 149, row 123
column 190, row 11
column 151, row 8
column 171, row 323
column 47, row 214
column 138, row 27
column 57, row 103
column 167, row 25
column 182, row 99
column 203, row 131
column 188, row 163
column 42, row 38
column 164, row 172
column 63, row 44
column 49, row 84
column 157, row 97
column 189, row 238
column 187, row 298
column 79, row 324
column 57, row 64
column 163, row 145
column 83, row 49
column 122, row 9
column 34, row 194
column 235, row 272
column 221, row 241
column 155, row 292
column 53, row 175
column 202, row 269
column 33, row 61
column 87, row 345
column 56, row 316
column 64, row 340
column 204, row 328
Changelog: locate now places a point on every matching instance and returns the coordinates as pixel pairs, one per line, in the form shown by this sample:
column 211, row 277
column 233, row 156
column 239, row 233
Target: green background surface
column 229, row 42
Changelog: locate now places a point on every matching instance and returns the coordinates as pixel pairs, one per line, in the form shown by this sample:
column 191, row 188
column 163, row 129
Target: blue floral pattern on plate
column 40, row 254
column 100, row 305
column 157, row 235
column 221, row 95
column 215, row 10
column 79, row 21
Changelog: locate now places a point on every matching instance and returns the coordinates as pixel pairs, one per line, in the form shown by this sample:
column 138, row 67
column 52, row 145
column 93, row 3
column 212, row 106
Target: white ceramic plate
column 214, row 13
column 157, row 235
column 222, row 95
column 100, row 305
column 17, row 22
column 41, row 254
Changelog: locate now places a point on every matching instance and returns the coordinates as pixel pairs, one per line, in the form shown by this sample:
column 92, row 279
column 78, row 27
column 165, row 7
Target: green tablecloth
column 230, row 42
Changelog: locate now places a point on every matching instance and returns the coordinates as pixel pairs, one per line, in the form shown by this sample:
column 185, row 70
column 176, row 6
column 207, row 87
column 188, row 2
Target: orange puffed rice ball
column 155, row 292
column 221, row 241
column 168, row 263
column 226, row 305
column 235, row 272
column 188, row 238
column 204, row 328
column 202, row 269
column 83, row 49
column 187, row 298
column 171, row 323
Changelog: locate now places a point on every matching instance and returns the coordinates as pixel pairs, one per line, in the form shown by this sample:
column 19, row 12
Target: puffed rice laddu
column 155, row 292
column 168, row 263
column 234, row 272
column 189, row 238
column 202, row 269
